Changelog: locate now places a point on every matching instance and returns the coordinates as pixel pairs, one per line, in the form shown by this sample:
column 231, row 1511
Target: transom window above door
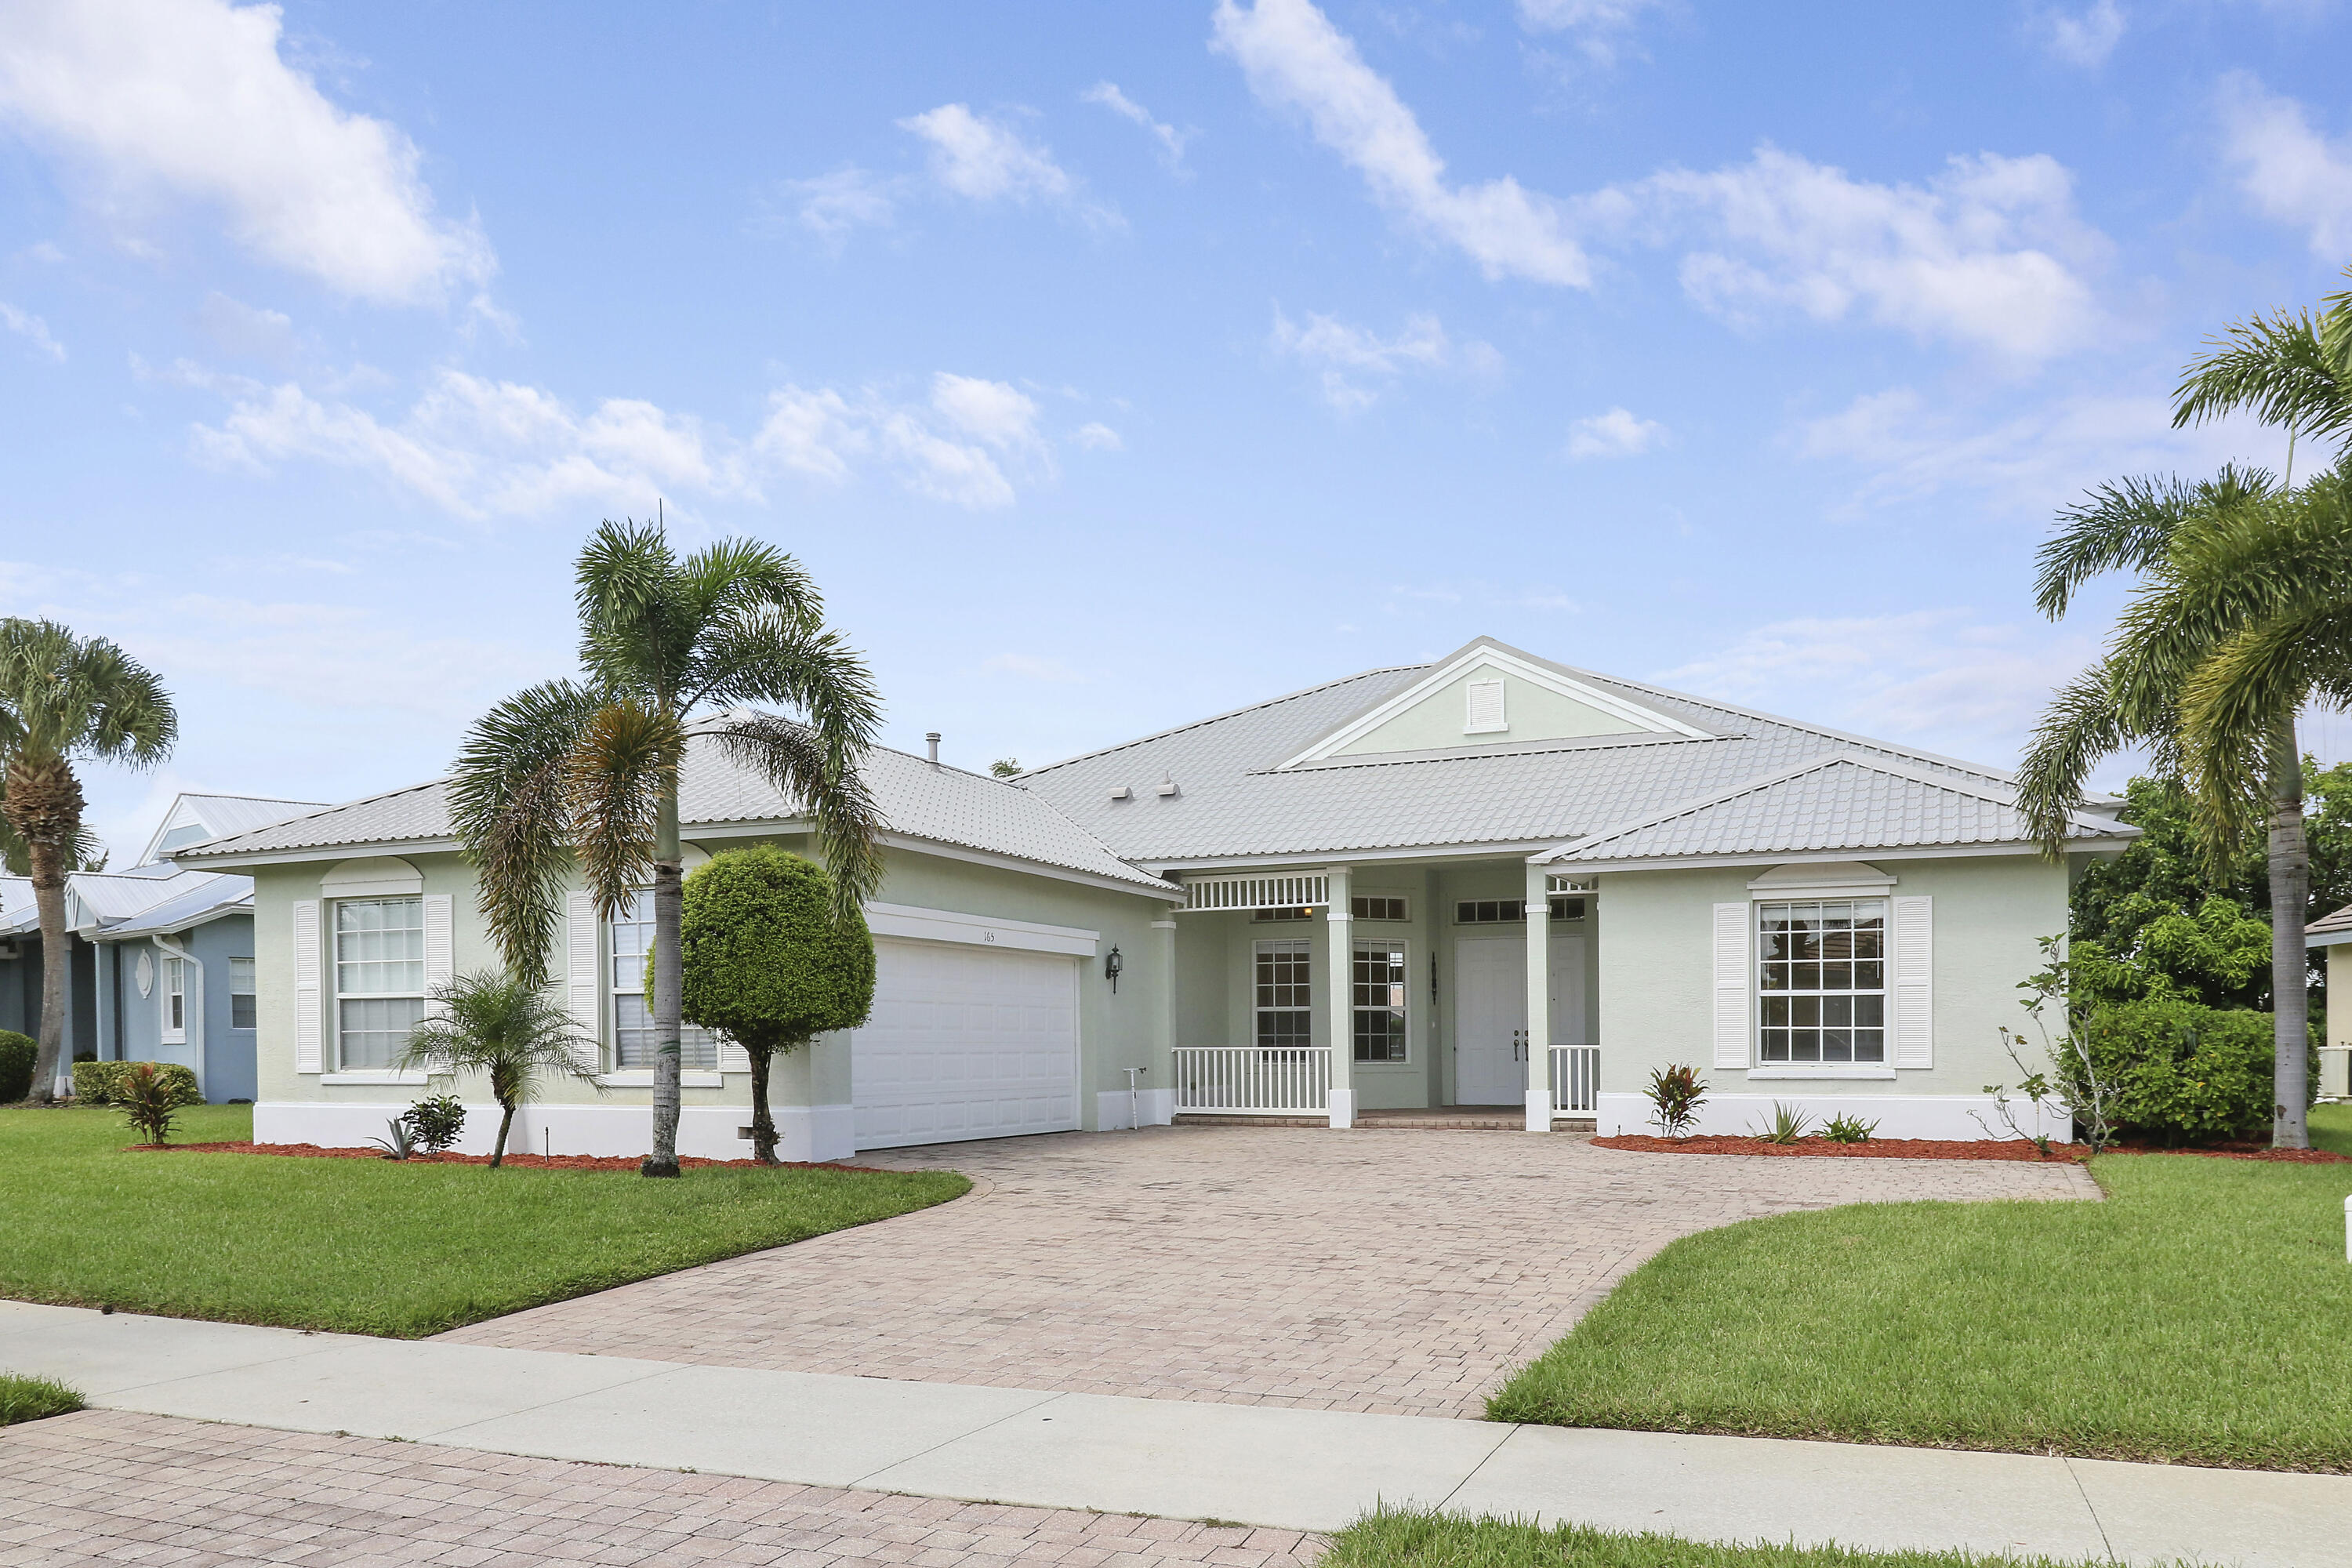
column 1503, row 911
column 1377, row 907
column 1822, row 974
column 1287, row 912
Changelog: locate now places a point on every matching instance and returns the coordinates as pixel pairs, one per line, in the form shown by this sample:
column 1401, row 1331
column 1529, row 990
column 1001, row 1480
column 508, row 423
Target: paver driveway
column 1404, row 1271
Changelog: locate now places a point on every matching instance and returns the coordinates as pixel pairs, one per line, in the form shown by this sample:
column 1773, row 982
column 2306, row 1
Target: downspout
column 192, row 1006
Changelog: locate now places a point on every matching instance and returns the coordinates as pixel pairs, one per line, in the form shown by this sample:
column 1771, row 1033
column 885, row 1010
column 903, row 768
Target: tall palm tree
column 66, row 699
column 585, row 771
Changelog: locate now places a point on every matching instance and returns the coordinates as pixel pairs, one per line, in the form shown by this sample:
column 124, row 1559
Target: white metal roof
column 218, row 815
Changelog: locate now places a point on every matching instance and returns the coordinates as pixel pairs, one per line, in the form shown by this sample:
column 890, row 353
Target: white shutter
column 1731, row 922
column 440, row 943
column 1912, row 945
column 581, row 989
column 308, row 1054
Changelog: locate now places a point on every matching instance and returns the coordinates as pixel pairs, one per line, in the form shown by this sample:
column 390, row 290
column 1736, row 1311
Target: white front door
column 965, row 1042
column 1490, row 1021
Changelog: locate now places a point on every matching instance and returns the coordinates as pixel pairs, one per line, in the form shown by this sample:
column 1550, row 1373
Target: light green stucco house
column 1490, row 880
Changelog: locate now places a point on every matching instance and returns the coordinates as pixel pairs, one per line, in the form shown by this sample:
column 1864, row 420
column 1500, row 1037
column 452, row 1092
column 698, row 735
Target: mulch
column 1951, row 1149
column 628, row 1163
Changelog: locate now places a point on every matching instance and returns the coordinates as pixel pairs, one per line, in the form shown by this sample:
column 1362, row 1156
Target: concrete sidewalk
column 1299, row 1469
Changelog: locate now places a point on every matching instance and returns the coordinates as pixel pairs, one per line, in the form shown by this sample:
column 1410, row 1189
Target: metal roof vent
column 1167, row 788
column 932, row 739
column 1120, row 792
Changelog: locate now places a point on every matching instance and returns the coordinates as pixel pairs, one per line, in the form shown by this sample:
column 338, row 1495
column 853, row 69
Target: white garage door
column 965, row 1042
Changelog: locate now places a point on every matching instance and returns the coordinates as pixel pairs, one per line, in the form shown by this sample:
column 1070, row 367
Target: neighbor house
column 1493, row 881
column 159, row 958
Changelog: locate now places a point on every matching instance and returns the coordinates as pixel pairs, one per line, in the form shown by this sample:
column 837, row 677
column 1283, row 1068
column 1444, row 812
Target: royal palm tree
column 66, row 699
column 586, row 772
column 506, row 1028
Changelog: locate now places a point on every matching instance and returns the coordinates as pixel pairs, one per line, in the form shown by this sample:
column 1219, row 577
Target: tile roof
column 1233, row 801
column 213, row 897
column 2328, row 925
column 940, row 805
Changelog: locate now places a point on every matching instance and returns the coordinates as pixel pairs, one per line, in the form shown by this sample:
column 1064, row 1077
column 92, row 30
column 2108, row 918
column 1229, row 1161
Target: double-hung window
column 1822, row 970
column 241, row 993
column 378, row 979
column 632, row 1017
column 1378, row 983
column 175, row 999
column 1285, row 1006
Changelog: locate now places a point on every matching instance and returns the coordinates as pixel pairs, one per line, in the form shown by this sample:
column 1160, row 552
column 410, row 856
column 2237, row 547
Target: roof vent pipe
column 933, row 739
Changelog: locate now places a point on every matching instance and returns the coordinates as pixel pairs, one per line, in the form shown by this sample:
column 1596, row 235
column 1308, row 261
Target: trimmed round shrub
column 2183, row 1072
column 17, row 1054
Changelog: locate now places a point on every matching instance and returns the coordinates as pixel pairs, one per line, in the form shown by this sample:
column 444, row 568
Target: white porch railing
column 1575, row 1080
column 1249, row 1081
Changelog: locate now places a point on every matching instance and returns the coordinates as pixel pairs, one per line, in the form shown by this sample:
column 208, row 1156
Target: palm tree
column 507, row 1028
column 586, row 772
column 65, row 699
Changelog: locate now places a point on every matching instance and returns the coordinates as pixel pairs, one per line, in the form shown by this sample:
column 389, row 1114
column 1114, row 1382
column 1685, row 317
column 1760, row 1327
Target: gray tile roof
column 2338, row 923
column 1842, row 801
column 941, row 804
column 1232, row 803
column 214, row 897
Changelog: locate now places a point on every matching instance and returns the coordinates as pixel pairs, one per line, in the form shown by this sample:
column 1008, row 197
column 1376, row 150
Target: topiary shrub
column 101, row 1083
column 18, row 1054
column 2181, row 1072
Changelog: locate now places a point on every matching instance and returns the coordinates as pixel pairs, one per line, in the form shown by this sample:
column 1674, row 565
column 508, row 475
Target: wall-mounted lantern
column 1112, row 965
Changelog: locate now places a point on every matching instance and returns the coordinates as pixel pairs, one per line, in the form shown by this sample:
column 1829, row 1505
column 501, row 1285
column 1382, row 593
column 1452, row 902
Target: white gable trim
column 1826, row 879
column 371, row 877
column 1642, row 719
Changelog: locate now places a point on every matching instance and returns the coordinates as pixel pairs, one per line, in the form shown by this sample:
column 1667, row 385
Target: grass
column 373, row 1246
column 33, row 1399
column 1406, row 1538
column 2198, row 1315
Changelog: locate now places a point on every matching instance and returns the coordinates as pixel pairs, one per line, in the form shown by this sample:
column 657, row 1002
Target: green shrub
column 149, row 1101
column 18, row 1054
column 101, row 1083
column 2181, row 1072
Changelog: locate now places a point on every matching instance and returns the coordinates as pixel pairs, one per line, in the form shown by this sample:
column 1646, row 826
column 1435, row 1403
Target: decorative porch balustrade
column 1251, row 1080
column 1575, row 1080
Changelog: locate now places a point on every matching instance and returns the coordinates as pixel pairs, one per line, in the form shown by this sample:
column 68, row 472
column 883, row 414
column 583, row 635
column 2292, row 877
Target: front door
column 1490, row 1022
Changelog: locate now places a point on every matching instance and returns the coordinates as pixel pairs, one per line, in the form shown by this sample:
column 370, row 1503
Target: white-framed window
column 1822, row 981
column 1377, row 1005
column 1485, row 707
column 633, row 1019
column 378, row 979
column 1285, row 1000
column 1286, row 912
column 1378, row 907
column 175, row 1000
column 242, row 1008
column 1503, row 911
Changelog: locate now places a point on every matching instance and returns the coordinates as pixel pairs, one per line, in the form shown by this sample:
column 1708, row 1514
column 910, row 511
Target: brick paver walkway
column 113, row 1487
column 1401, row 1271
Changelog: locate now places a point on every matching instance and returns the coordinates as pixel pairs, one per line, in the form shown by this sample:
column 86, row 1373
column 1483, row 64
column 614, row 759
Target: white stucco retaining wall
column 805, row 1133
column 1946, row 1116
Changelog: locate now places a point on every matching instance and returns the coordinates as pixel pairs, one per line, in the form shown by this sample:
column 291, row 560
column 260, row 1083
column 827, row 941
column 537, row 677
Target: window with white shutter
column 1731, row 985
column 1914, row 947
column 307, row 1055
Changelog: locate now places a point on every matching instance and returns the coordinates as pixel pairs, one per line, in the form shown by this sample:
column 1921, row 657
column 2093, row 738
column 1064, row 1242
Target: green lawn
column 2203, row 1313
column 33, row 1399
column 1414, row 1540
column 370, row 1246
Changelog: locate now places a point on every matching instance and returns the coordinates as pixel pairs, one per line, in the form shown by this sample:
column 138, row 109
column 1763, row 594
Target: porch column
column 1340, row 1007
column 1538, row 1037
column 1164, row 1015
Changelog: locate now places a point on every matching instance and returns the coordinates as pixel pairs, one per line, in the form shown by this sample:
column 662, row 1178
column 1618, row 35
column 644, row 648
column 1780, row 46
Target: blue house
column 162, row 959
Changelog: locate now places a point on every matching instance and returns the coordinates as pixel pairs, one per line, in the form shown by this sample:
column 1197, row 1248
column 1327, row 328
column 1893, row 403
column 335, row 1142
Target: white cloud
column 1597, row 26
column 2031, row 463
column 34, row 330
column 1171, row 140
column 831, row 205
column 1944, row 679
column 1351, row 359
column 246, row 331
column 1988, row 254
column 2080, row 38
column 480, row 448
column 1616, row 434
column 2288, row 171
column 193, row 98
column 1294, row 57
column 1096, row 436
column 985, row 159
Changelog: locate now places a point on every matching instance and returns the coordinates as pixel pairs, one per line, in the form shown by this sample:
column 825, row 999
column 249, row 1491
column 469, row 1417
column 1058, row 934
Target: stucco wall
column 135, row 1023
column 1533, row 713
column 1656, row 975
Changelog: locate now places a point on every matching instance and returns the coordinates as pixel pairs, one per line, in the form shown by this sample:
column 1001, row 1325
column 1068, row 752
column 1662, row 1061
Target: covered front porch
column 1343, row 992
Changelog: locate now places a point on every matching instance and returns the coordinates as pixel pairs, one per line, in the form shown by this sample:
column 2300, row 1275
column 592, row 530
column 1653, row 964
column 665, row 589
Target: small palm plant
column 495, row 1024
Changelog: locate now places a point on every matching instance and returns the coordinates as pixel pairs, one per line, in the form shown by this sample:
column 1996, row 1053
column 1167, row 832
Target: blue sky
column 1113, row 366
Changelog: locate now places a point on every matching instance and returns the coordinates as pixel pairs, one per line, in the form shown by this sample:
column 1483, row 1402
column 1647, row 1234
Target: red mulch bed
column 527, row 1161
column 1952, row 1149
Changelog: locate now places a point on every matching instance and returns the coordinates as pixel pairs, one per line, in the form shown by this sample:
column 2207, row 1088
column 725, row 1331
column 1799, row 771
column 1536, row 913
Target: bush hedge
column 97, row 1083
column 2184, row 1072
column 18, row 1054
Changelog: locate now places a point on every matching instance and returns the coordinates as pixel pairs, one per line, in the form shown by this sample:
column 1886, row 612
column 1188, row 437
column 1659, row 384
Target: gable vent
column 1485, row 709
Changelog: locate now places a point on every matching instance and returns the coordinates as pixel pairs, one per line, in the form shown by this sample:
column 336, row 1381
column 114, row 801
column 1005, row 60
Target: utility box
column 2336, row 1072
